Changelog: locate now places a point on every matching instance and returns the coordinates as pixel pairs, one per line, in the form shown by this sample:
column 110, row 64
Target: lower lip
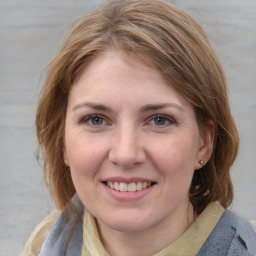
column 128, row 196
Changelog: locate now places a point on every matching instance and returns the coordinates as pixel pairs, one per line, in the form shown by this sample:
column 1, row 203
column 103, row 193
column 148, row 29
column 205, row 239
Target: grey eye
column 96, row 120
column 160, row 120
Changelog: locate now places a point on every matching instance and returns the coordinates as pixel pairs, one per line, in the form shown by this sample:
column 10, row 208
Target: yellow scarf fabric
column 187, row 244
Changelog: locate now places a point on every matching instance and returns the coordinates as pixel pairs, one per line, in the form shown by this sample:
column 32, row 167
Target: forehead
column 116, row 81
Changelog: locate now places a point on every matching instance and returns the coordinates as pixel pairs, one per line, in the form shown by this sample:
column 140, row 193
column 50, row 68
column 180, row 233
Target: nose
column 126, row 150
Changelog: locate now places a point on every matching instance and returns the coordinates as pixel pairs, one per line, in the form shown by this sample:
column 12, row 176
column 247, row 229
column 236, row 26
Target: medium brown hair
column 179, row 48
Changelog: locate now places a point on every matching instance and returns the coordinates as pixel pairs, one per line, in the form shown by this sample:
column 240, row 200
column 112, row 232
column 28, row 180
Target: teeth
column 128, row 187
column 111, row 184
column 144, row 184
column 132, row 187
column 116, row 185
column 139, row 186
column 123, row 187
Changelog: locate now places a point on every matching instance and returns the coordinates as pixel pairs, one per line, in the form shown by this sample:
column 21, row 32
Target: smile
column 128, row 187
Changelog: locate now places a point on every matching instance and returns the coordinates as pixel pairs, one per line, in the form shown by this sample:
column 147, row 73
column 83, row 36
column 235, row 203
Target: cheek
column 85, row 161
column 174, row 155
column 84, row 155
column 174, row 160
column 175, row 163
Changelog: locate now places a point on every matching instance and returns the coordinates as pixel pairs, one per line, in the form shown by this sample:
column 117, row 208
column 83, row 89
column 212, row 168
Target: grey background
column 30, row 34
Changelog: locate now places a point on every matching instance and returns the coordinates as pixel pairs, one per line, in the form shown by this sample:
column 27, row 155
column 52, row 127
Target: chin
column 127, row 224
column 128, row 228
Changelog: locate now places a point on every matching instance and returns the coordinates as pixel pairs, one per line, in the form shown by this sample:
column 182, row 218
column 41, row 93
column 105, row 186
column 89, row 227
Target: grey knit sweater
column 232, row 236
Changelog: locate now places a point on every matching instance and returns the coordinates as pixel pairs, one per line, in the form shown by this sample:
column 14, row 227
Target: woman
column 138, row 140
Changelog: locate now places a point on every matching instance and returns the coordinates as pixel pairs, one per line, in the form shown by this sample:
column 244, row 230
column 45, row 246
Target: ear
column 65, row 155
column 206, row 142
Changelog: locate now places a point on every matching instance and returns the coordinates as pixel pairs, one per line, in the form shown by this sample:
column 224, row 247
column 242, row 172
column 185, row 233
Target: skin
column 129, row 139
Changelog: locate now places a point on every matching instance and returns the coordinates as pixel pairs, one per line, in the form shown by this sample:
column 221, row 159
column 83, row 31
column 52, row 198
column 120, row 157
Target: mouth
column 128, row 187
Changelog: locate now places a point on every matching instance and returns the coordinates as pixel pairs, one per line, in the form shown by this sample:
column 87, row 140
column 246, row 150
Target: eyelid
column 86, row 119
column 166, row 117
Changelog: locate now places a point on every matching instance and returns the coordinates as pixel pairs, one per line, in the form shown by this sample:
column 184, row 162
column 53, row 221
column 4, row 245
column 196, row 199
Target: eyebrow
column 92, row 105
column 146, row 108
column 151, row 107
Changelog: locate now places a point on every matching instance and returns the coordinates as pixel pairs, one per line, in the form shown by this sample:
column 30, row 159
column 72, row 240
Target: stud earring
column 201, row 162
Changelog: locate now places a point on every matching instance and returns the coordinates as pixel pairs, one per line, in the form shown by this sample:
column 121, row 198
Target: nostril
column 127, row 156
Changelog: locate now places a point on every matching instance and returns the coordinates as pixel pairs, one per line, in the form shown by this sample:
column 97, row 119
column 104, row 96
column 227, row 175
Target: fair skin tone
column 132, row 144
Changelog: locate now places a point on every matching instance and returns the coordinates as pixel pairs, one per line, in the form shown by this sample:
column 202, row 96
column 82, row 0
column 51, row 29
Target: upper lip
column 127, row 180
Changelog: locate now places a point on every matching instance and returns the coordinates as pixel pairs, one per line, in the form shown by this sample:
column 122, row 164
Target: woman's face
column 132, row 144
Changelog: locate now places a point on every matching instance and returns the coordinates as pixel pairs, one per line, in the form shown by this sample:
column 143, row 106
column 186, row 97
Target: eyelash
column 89, row 119
column 164, row 118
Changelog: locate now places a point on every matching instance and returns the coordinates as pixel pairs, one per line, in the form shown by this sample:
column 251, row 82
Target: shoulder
column 232, row 236
column 254, row 224
column 245, row 234
column 37, row 238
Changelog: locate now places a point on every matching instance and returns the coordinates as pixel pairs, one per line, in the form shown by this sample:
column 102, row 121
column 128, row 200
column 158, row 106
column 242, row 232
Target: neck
column 150, row 241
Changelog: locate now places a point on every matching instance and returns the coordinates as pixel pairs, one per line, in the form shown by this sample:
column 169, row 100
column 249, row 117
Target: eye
column 161, row 120
column 94, row 120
